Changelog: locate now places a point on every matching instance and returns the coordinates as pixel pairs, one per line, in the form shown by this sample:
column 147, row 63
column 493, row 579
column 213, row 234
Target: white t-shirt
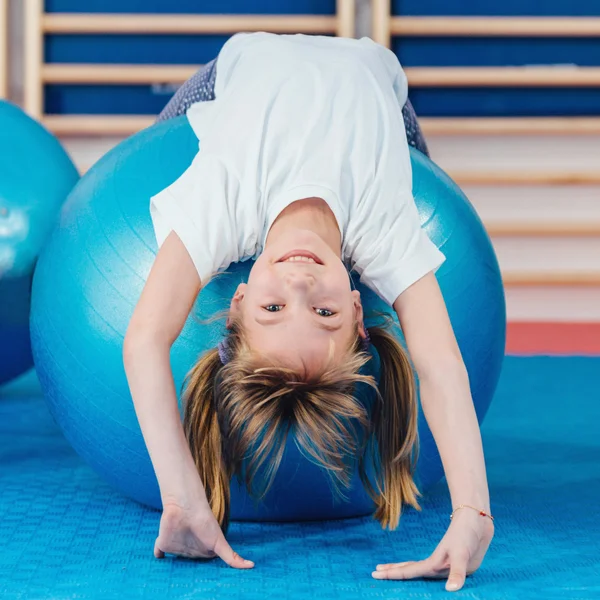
column 299, row 116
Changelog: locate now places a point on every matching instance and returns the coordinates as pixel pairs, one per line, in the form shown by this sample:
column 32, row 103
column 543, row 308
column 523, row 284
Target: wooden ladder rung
column 528, row 76
column 182, row 24
column 496, row 26
column 551, row 279
column 129, row 124
column 525, row 178
column 417, row 76
column 116, row 74
column 540, row 229
column 511, row 126
column 4, row 50
column 103, row 125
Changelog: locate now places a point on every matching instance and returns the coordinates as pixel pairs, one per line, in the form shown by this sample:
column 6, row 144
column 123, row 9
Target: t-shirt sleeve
column 395, row 71
column 200, row 208
column 394, row 251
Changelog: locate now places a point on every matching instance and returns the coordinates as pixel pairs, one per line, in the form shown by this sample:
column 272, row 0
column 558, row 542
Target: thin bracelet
column 481, row 512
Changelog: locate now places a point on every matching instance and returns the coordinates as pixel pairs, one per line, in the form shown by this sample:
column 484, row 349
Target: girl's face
column 298, row 306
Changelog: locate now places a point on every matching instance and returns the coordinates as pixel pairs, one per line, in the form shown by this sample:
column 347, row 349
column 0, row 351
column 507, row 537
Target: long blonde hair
column 237, row 418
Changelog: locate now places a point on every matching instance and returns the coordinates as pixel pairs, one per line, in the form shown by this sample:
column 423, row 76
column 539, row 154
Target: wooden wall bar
column 387, row 26
column 552, row 279
column 418, row 77
column 116, row 74
column 110, row 125
column 93, row 23
column 505, row 177
column 38, row 73
column 129, row 124
column 511, row 126
column 543, row 229
column 495, row 26
column 542, row 76
column 3, row 48
column 33, row 57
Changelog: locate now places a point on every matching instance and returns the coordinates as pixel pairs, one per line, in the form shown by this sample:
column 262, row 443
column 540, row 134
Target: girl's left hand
column 460, row 553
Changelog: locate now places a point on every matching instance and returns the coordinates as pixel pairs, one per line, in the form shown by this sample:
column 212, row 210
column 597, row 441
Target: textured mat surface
column 65, row 535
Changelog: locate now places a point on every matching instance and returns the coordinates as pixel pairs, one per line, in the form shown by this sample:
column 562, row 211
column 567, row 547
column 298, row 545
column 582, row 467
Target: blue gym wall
column 412, row 52
column 497, row 52
column 504, row 8
column 150, row 49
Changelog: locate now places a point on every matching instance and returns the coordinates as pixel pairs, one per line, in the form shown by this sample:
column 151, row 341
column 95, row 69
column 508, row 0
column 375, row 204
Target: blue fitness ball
column 36, row 175
column 92, row 272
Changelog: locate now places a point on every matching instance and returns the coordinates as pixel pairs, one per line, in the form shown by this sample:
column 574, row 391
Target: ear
column 358, row 314
column 235, row 306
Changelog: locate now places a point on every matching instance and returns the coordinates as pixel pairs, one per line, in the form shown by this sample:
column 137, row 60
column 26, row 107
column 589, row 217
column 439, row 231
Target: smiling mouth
column 301, row 256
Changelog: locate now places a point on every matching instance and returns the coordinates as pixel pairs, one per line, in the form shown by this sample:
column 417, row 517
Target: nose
column 300, row 281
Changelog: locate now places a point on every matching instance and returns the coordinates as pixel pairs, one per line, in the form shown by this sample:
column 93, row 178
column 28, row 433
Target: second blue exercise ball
column 36, row 175
column 91, row 275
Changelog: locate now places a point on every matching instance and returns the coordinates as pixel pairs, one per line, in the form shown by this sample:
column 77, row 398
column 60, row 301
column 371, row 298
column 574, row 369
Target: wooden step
column 185, row 24
column 526, row 77
column 551, row 279
column 559, row 27
column 432, row 126
column 97, row 125
column 543, row 229
column 505, row 126
column 84, row 74
column 524, row 177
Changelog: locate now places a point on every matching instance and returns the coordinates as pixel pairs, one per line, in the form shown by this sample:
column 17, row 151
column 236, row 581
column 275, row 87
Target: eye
column 324, row 312
column 273, row 307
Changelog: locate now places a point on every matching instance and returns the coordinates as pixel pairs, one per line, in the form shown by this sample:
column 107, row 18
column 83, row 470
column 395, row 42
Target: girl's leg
column 413, row 130
column 200, row 87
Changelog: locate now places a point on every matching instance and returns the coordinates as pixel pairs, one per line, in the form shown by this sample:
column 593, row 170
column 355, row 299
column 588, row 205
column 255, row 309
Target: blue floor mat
column 64, row 534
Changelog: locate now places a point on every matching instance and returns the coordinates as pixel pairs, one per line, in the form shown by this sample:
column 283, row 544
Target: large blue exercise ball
column 36, row 175
column 90, row 277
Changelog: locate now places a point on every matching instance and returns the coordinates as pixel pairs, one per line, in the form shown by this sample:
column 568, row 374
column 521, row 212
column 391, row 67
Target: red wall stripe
column 553, row 338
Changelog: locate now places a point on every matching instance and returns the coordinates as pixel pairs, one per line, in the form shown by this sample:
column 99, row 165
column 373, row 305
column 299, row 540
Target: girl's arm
column 445, row 392
column 167, row 298
column 448, row 407
column 188, row 526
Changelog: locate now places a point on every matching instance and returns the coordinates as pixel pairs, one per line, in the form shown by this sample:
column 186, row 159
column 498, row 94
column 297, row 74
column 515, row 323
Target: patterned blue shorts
column 200, row 87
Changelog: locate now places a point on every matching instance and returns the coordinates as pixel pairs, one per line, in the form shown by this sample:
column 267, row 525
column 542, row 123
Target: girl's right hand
column 194, row 533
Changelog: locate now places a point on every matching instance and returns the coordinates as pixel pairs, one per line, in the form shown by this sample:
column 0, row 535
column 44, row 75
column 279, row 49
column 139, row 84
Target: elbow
column 139, row 342
column 131, row 347
column 443, row 368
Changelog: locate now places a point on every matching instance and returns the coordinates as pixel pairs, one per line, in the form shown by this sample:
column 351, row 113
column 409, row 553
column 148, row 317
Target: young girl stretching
column 304, row 166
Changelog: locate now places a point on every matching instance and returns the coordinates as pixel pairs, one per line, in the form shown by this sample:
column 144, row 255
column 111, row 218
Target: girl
column 304, row 166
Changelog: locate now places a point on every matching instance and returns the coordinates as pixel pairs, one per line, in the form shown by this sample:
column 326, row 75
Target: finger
column 458, row 571
column 158, row 553
column 233, row 559
column 411, row 570
column 390, row 565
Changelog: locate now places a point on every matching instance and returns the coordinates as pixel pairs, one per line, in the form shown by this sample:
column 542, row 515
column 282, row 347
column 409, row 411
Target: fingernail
column 248, row 562
column 452, row 586
column 376, row 574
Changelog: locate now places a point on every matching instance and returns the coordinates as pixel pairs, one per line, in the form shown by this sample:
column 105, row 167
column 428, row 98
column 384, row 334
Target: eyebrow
column 320, row 323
